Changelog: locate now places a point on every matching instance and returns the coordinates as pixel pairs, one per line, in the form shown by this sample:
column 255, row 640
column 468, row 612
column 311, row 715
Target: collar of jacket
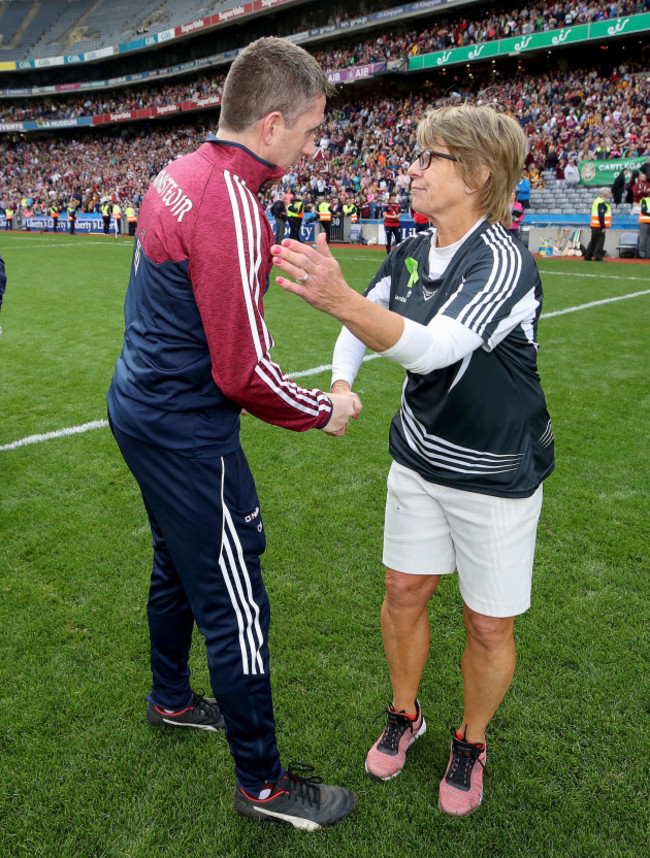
column 246, row 164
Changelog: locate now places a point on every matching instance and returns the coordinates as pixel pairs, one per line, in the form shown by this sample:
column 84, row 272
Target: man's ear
column 271, row 124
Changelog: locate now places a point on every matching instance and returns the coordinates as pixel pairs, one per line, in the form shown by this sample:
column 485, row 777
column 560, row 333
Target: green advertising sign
column 600, row 173
column 534, row 42
column 619, row 26
column 455, row 55
column 540, row 41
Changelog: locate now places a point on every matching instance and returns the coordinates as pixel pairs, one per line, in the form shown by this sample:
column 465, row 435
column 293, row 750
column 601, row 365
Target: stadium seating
column 13, row 15
column 24, row 23
column 628, row 245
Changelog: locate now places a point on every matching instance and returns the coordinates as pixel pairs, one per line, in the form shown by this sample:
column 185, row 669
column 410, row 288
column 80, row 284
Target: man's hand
column 344, row 407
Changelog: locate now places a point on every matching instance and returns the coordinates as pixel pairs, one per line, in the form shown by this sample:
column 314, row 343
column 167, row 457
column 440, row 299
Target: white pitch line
column 325, row 368
column 23, row 244
column 101, row 424
column 59, row 433
column 595, row 303
column 595, row 276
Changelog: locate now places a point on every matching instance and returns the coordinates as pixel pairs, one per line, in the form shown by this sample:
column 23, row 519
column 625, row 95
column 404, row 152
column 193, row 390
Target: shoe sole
column 208, row 727
column 420, row 732
column 163, row 722
column 259, row 814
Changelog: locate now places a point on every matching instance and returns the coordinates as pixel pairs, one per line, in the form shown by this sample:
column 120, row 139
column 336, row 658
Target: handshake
column 345, row 405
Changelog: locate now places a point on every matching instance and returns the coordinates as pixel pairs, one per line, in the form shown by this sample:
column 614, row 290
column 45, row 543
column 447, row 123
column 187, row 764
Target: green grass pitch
column 83, row 776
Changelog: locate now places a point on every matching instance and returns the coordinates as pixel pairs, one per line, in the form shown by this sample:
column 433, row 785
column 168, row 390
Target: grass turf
column 81, row 774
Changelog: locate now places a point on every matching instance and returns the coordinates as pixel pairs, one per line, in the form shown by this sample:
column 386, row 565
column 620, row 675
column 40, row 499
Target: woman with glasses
column 457, row 306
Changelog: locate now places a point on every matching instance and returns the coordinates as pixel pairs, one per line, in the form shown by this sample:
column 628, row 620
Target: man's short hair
column 270, row 74
column 480, row 136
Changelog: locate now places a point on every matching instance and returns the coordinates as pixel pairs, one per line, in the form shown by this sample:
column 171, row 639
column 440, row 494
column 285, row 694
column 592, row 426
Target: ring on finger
column 304, row 278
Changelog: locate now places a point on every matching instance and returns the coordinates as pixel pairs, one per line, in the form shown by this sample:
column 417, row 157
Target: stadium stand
column 65, row 19
column 12, row 17
column 368, row 140
column 34, row 19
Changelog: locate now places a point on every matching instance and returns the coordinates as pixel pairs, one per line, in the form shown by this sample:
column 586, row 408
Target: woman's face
column 438, row 189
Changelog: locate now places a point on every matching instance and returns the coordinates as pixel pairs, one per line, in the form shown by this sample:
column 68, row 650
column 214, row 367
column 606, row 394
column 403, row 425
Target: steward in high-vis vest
column 72, row 216
column 9, row 218
column 131, row 219
column 54, row 214
column 601, row 220
column 324, row 210
column 117, row 218
column 644, row 229
column 350, row 210
column 106, row 215
column 295, row 214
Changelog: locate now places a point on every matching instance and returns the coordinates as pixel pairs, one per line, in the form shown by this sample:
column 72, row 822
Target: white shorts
column 432, row 530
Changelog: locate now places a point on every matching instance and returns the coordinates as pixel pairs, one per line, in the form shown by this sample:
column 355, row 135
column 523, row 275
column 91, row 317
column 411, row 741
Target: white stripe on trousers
column 237, row 581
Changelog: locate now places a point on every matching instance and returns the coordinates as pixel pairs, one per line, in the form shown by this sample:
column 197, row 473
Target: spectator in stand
column 629, row 188
column 516, row 215
column 640, row 189
column 571, row 174
column 536, row 179
column 552, row 158
column 618, row 186
column 523, row 189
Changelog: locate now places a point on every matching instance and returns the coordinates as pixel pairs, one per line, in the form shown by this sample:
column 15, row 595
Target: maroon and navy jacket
column 196, row 346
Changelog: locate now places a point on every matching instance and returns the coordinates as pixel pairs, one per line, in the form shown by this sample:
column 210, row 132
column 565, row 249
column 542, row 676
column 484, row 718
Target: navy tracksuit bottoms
column 208, row 536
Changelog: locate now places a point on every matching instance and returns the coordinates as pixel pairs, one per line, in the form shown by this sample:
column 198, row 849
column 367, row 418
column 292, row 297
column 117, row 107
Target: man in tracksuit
column 196, row 352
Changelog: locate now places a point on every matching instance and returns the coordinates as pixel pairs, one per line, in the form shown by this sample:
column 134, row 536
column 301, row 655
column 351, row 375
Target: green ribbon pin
column 412, row 268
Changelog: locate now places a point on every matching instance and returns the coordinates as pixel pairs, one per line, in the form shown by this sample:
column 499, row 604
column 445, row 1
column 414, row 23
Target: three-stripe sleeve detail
column 500, row 285
column 248, row 229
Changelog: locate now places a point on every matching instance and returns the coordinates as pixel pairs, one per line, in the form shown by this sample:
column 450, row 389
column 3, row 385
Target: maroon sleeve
column 229, row 267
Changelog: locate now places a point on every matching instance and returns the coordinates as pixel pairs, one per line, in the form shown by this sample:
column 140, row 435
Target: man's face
column 290, row 144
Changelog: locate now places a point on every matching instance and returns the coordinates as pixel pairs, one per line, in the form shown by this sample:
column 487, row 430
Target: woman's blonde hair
column 481, row 138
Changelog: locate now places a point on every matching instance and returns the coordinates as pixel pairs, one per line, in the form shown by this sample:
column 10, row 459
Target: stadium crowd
column 117, row 101
column 448, row 32
column 455, row 32
column 365, row 147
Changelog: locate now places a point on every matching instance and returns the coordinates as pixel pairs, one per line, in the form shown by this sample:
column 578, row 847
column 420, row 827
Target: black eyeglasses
column 427, row 155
